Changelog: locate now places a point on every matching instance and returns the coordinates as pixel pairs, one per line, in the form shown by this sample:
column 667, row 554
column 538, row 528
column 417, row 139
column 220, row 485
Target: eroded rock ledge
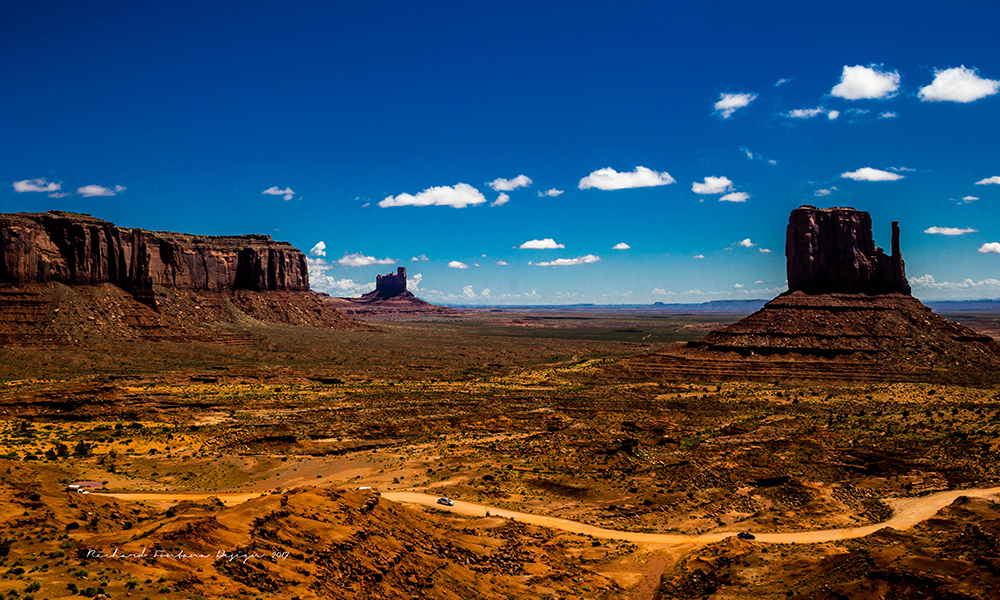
column 78, row 249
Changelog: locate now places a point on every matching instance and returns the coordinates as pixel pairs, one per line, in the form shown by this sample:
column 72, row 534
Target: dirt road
column 907, row 512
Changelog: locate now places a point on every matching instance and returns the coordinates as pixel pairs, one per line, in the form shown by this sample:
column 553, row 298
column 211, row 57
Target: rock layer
column 831, row 250
column 78, row 249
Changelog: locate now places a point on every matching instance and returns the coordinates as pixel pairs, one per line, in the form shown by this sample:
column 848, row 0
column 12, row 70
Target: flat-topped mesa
column 389, row 285
column 78, row 249
column 831, row 250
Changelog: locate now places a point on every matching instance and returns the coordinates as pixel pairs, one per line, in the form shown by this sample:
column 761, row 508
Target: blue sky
column 355, row 124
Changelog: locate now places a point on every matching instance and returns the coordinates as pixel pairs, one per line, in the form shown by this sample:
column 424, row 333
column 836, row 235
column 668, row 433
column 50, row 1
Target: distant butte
column 389, row 296
column 847, row 315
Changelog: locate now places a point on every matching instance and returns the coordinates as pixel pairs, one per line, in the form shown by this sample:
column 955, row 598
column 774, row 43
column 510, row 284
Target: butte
column 390, row 296
column 848, row 315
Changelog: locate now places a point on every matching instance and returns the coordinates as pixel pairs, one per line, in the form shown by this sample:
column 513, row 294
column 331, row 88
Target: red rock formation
column 78, row 249
column 831, row 250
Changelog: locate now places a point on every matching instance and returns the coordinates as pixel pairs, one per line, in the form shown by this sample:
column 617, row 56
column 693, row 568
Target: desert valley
column 183, row 418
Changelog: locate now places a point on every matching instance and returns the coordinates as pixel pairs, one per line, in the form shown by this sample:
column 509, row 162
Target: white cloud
column 781, row 82
column 995, row 180
column 866, row 83
column 59, row 195
column 765, row 250
column 825, row 192
column 505, row 185
column 319, row 249
column 950, row 230
column 413, row 282
column 276, row 191
column 621, row 246
column 993, row 247
column 735, row 197
column 659, row 292
column 832, row 114
column 459, row 196
column 967, row 199
column 870, row 174
column 468, row 292
column 502, row 263
column 419, row 258
column 609, row 179
column 553, row 193
column 730, row 103
column 928, row 281
column 698, row 256
column 358, row 259
column 712, row 185
column 888, row 115
column 738, row 285
column 746, row 243
column 89, row 191
column 36, row 185
column 805, row 113
column 958, row 85
column 486, row 292
column 546, row 244
column 321, row 282
column 564, row 262
column 501, row 200
column 458, row 265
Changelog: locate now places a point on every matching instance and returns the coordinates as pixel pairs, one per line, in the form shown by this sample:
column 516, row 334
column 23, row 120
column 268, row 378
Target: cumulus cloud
column 321, row 282
column 746, row 243
column 419, row 258
column 735, row 197
column 825, row 191
column 870, row 174
column 832, row 114
column 958, row 85
column 698, row 256
column 565, row 262
column 553, row 193
column 276, row 191
column 89, row 191
column 501, row 200
column 712, row 185
column 738, row 285
column 968, row 199
column 950, row 230
column 502, row 263
column 609, row 179
column 458, row 196
column 993, row 247
column 928, row 281
column 458, row 265
column 730, row 103
column 866, row 83
column 36, row 185
column 505, row 185
column 765, row 250
column 995, row 180
column 659, row 292
column 413, row 282
column 358, row 259
column 546, row 244
column 888, row 115
column 621, row 246
column 468, row 292
column 319, row 249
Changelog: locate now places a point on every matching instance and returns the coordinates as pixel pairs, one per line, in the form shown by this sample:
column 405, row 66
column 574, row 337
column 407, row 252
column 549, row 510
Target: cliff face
column 831, row 250
column 78, row 249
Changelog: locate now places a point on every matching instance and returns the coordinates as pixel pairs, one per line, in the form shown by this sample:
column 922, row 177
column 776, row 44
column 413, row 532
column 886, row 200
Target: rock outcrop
column 77, row 249
column 847, row 316
column 831, row 250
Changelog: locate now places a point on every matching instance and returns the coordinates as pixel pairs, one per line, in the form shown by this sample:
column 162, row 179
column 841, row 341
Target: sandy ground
column 907, row 512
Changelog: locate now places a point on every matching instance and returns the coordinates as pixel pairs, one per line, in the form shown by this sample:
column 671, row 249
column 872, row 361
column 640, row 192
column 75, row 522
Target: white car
column 446, row 501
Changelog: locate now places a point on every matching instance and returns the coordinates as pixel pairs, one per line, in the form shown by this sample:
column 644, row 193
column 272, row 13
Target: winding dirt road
column 907, row 512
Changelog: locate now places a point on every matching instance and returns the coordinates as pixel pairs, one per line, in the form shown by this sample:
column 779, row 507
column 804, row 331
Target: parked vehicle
column 744, row 535
column 446, row 501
